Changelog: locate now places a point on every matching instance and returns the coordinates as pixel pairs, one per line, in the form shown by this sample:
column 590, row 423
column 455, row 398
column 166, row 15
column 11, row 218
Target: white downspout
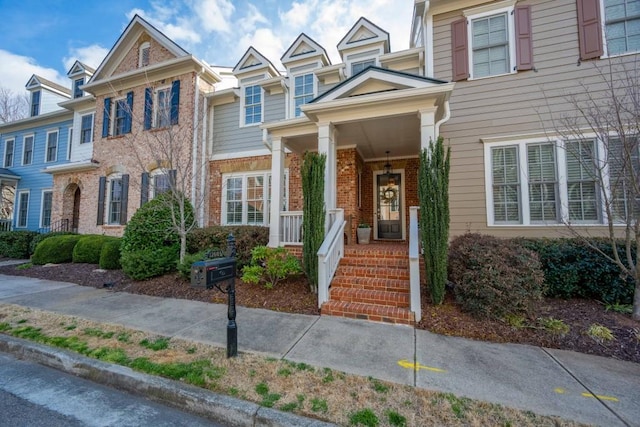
column 447, row 116
column 203, row 153
column 194, row 144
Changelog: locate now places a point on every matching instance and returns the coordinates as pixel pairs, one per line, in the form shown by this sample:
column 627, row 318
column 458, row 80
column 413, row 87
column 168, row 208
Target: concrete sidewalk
column 574, row 386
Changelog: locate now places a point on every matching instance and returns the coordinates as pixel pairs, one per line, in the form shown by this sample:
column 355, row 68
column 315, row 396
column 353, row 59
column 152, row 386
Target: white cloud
column 90, row 55
column 17, row 70
column 214, row 15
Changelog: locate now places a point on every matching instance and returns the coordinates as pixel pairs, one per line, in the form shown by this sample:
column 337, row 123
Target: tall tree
column 433, row 191
column 13, row 106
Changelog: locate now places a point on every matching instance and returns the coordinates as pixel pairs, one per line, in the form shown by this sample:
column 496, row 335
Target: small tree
column 433, row 191
column 12, row 106
column 313, row 212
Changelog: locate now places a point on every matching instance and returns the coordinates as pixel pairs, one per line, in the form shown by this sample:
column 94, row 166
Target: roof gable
column 304, row 47
column 251, row 61
column 137, row 27
column 376, row 80
column 38, row 82
column 79, row 68
column 364, row 32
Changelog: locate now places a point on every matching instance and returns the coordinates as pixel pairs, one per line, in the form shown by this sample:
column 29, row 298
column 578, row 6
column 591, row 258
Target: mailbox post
column 213, row 272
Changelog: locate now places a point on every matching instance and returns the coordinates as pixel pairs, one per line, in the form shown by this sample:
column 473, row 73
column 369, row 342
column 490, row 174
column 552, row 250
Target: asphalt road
column 33, row 395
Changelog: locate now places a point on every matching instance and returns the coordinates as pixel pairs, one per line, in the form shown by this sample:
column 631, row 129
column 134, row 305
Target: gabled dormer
column 362, row 46
column 252, row 69
column 79, row 74
column 301, row 59
column 45, row 95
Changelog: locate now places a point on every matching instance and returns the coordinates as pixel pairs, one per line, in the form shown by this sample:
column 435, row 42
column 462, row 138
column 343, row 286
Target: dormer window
column 303, row 91
column 77, row 92
column 358, row 66
column 35, row 103
column 252, row 105
column 143, row 61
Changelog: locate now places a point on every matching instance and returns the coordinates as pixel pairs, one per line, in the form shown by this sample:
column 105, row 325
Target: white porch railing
column 414, row 263
column 5, row 225
column 291, row 227
column 330, row 254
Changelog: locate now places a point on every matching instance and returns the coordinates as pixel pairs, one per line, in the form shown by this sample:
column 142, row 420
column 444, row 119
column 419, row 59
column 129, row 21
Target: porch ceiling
column 372, row 137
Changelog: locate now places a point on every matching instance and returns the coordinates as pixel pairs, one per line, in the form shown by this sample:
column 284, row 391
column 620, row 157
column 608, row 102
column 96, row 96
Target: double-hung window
column 161, row 183
column 490, row 45
column 77, row 92
column 543, row 183
column 52, row 146
column 163, row 108
column 582, row 188
column 506, row 184
column 623, row 162
column 115, row 201
column 303, row 91
column 622, row 26
column 120, row 114
column 252, row 105
column 246, row 198
column 86, row 128
column 47, row 203
column 35, row 103
column 23, row 208
column 27, row 150
column 9, row 146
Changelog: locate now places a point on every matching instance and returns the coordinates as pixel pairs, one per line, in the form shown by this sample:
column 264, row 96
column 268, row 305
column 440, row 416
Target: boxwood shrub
column 573, row 269
column 146, row 263
column 40, row 237
column 89, row 247
column 110, row 254
column 16, row 244
column 56, row 249
column 247, row 237
column 494, row 277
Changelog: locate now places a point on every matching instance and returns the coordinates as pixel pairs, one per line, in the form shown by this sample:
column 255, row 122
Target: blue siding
column 274, row 108
column 32, row 179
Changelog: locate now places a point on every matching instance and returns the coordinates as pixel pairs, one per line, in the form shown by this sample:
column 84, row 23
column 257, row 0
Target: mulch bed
column 294, row 296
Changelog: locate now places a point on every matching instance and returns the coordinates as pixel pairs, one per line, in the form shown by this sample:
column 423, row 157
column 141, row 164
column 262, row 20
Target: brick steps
column 372, row 283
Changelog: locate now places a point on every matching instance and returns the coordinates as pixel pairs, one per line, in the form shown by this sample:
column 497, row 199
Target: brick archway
column 71, row 206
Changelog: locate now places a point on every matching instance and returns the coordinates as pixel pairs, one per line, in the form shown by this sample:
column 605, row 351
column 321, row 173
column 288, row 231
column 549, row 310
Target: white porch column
column 427, row 127
column 327, row 145
column 277, row 182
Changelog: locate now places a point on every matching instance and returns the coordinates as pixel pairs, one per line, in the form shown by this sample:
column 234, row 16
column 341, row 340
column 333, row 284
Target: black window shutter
column 459, row 50
column 125, row 199
column 106, row 124
column 524, row 40
column 175, row 101
column 144, row 188
column 148, row 107
column 172, row 179
column 102, row 183
column 129, row 113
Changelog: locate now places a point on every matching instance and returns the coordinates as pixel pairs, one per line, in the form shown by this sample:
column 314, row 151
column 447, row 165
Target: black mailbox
column 207, row 273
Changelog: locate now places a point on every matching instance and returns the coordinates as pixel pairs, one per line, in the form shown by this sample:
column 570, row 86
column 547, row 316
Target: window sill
column 470, row 79
column 619, row 55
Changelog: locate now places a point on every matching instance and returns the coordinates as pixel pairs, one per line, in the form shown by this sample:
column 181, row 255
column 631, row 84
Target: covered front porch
column 372, row 129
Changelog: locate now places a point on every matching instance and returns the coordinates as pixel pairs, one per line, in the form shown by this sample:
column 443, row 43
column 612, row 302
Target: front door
column 76, row 210
column 389, row 206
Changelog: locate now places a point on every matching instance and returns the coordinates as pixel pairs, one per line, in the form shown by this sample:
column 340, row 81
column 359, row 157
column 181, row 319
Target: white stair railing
column 414, row 263
column 329, row 255
column 291, row 227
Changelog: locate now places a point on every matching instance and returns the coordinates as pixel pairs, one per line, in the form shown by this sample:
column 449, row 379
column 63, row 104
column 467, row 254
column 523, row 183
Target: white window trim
column 19, row 206
column 352, row 59
column 243, row 110
column 93, row 121
column 112, row 120
column 482, row 12
column 561, row 169
column 156, row 106
column 46, row 145
column 292, row 92
column 143, row 46
column 69, row 141
column 44, row 191
column 24, row 146
column 152, row 184
column 107, row 210
column 605, row 44
column 4, row 154
column 267, row 203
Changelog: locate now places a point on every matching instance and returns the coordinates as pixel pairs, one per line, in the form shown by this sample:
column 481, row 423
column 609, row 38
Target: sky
column 45, row 37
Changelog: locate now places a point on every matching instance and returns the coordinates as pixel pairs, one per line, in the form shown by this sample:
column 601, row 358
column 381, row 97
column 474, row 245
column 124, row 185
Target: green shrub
column 572, row 269
column 56, row 249
column 270, row 265
column 110, row 255
column 184, row 267
column 40, row 237
column 493, row 277
column 16, row 244
column 89, row 248
column 146, row 263
column 247, row 237
column 151, row 226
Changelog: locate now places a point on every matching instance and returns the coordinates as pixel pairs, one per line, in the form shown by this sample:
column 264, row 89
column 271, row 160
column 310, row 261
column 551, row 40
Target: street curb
column 224, row 409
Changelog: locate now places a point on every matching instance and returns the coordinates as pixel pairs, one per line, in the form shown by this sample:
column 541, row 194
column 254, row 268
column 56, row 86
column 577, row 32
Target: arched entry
column 71, row 206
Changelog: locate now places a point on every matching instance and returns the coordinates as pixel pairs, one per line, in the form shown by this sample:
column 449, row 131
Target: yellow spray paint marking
column 560, row 390
column 601, row 397
column 410, row 365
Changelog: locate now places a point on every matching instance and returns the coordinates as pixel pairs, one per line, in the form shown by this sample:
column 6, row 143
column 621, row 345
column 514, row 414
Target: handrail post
column 414, row 263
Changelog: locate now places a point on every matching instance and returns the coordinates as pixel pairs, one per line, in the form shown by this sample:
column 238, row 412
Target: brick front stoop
column 372, row 283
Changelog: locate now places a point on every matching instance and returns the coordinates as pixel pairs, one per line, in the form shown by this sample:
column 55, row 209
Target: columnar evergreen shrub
column 433, row 191
column 89, row 247
column 55, row 250
column 494, row 277
column 313, row 213
column 110, row 254
column 16, row 244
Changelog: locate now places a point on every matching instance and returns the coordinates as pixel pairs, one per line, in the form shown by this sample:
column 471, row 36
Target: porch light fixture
column 387, row 166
